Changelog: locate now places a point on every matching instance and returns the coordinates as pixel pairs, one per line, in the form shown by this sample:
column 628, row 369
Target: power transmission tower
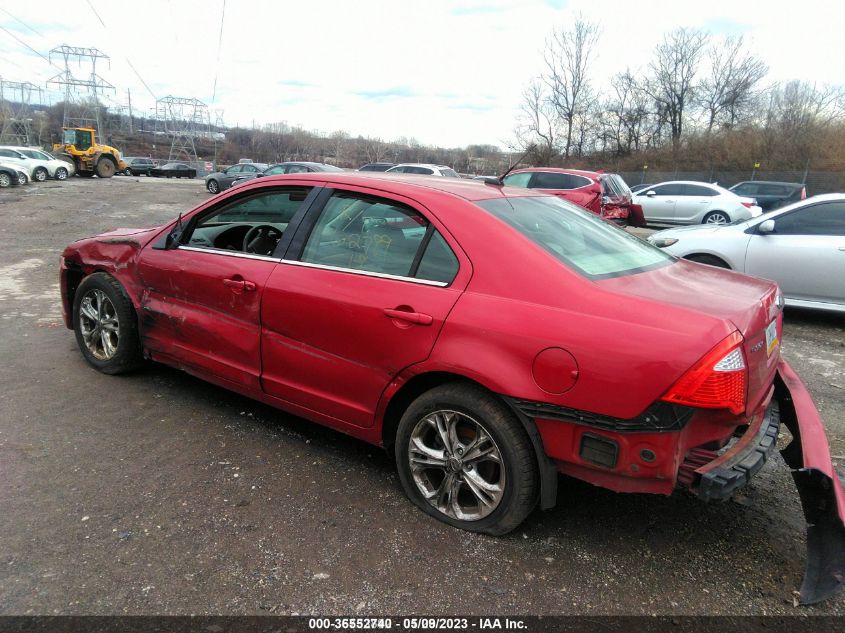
column 16, row 111
column 183, row 119
column 82, row 104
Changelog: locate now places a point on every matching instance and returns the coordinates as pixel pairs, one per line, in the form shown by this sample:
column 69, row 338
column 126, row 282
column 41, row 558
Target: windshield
column 580, row 240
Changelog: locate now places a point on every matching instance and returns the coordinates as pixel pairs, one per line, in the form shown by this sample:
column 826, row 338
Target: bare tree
column 567, row 56
column 375, row 149
column 728, row 93
column 537, row 131
column 673, row 72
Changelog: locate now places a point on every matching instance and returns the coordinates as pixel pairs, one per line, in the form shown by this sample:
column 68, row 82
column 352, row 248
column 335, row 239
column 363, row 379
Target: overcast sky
column 445, row 73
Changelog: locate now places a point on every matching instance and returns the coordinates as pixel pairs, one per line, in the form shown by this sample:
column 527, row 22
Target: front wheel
column 106, row 168
column 213, row 186
column 22, row 178
column 5, row 180
column 61, row 174
column 466, row 460
column 127, row 172
column 716, row 217
column 105, row 325
column 40, row 174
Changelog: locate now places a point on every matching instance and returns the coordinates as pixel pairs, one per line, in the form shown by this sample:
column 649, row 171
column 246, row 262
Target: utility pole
column 129, row 99
column 16, row 100
column 82, row 105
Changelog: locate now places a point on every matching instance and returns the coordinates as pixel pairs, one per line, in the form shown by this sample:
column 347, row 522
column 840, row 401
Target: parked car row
column 241, row 173
column 34, row 163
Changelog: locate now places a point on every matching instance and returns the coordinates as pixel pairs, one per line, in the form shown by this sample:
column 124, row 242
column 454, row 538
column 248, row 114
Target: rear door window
column 370, row 234
column 699, row 191
column 554, row 180
column 518, row 180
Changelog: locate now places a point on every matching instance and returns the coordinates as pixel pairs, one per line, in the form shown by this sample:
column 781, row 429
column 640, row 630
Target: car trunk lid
column 752, row 305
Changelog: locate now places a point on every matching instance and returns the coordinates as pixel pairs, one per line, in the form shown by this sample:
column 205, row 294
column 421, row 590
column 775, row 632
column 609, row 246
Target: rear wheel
column 40, row 174
column 710, row 260
column 61, row 174
column 466, row 460
column 5, row 180
column 716, row 217
column 106, row 167
column 105, row 325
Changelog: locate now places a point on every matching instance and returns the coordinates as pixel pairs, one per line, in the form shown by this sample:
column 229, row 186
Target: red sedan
column 490, row 337
column 604, row 194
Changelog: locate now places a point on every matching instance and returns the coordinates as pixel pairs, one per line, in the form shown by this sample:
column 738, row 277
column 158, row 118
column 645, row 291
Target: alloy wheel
column 99, row 324
column 716, row 218
column 456, row 465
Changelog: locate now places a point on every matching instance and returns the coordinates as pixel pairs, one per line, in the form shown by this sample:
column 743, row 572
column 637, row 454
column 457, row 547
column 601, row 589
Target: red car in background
column 489, row 337
column 606, row 195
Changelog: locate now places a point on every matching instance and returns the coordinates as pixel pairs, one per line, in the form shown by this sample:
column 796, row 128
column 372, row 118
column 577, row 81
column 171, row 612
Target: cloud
column 295, row 83
column 386, row 93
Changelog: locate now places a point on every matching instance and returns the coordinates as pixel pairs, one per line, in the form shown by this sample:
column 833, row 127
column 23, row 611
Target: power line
column 28, row 46
column 95, row 13
column 21, row 22
column 219, row 46
column 152, row 94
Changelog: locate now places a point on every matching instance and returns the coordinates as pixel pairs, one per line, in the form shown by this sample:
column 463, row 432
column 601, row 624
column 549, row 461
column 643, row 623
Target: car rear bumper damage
column 819, row 486
column 716, row 477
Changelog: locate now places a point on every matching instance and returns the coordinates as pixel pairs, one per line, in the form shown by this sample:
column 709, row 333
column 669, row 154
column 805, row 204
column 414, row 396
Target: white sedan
column 800, row 246
column 688, row 202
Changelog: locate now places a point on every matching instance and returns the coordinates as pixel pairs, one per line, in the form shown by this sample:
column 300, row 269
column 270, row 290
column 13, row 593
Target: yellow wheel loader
column 79, row 146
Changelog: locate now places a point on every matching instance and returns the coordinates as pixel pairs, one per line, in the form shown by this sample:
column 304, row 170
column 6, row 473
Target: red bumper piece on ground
column 819, row 486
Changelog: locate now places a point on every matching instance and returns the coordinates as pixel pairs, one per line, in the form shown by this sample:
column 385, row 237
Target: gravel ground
column 158, row 493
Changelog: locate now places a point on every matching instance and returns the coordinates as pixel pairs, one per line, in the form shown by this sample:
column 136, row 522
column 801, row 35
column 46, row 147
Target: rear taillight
column 717, row 381
column 748, row 205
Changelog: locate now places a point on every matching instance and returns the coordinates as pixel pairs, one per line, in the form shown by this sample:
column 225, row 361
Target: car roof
column 769, row 182
column 560, row 170
column 460, row 187
column 422, row 165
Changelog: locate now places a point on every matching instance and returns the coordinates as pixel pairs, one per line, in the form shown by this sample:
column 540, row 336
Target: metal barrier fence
column 816, row 181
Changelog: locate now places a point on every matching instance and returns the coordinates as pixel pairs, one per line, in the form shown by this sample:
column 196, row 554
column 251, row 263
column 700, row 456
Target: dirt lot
column 158, row 493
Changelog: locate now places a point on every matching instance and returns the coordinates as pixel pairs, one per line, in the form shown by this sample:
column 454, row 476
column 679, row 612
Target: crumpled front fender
column 819, row 486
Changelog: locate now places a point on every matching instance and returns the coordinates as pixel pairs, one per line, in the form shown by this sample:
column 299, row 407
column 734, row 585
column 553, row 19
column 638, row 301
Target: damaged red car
column 489, row 337
column 606, row 195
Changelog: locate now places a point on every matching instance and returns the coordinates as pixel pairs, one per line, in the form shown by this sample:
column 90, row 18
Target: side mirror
column 650, row 193
column 766, row 227
column 260, row 175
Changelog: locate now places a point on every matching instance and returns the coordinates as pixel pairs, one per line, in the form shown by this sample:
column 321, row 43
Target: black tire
column 128, row 172
column 5, row 180
column 716, row 217
column 61, row 174
column 710, row 260
column 22, row 178
column 518, row 461
column 40, row 174
column 106, row 167
column 126, row 354
column 213, row 186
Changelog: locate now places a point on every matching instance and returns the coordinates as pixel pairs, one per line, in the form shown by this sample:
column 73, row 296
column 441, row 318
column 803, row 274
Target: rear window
column 554, row 180
column 580, row 240
column 451, row 173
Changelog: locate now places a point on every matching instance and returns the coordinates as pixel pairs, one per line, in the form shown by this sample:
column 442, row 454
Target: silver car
column 800, row 246
column 689, row 202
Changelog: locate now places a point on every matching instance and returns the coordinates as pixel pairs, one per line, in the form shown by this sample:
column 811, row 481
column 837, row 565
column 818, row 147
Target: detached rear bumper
column 819, row 486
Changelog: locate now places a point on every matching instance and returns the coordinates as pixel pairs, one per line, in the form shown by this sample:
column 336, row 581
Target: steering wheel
column 262, row 239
